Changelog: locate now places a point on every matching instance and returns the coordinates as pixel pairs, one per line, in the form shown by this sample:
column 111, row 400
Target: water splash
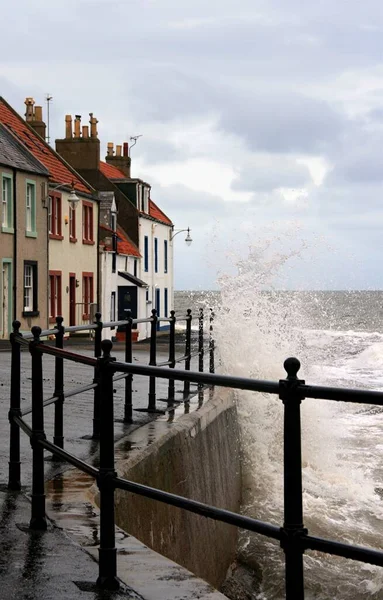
column 256, row 328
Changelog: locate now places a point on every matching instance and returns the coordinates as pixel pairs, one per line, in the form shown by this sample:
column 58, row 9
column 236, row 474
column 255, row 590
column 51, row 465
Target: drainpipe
column 98, row 261
column 14, row 266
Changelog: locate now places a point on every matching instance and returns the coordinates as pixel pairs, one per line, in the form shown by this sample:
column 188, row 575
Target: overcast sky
column 262, row 121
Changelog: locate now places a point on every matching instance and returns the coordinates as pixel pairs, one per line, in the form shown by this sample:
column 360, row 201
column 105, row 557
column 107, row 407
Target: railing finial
column 36, row 332
column 154, row 312
column 59, row 320
column 97, row 316
column 16, row 326
column 292, row 366
column 106, row 347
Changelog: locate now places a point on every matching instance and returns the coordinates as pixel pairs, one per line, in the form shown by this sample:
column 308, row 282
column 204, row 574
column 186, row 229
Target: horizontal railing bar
column 80, row 390
column 80, row 358
column 23, row 425
column 256, row 385
column 47, row 402
column 342, row 394
column 70, row 458
column 218, row 514
column 180, row 358
column 163, row 320
column 368, row 555
column 193, row 354
column 121, row 376
column 74, row 328
column 165, row 363
column 125, row 322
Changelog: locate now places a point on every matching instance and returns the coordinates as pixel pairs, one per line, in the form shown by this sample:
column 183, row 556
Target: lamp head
column 73, row 198
column 188, row 239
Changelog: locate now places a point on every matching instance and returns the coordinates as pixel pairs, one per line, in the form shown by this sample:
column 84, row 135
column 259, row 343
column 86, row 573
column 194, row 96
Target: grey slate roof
column 15, row 155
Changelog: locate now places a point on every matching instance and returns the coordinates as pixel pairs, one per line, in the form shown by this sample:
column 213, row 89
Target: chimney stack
column 121, row 159
column 80, row 150
column 34, row 117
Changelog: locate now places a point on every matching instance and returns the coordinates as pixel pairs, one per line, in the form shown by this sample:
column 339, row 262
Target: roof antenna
column 134, row 138
column 48, row 98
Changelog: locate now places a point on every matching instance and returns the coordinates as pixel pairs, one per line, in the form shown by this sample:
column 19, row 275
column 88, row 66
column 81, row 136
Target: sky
column 261, row 121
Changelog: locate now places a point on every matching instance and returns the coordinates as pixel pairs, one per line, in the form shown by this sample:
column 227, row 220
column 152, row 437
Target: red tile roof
column 110, row 171
column 157, row 213
column 60, row 172
column 124, row 244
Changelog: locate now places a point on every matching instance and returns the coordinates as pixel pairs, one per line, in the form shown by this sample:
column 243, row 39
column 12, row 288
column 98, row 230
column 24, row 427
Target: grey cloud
column 269, row 173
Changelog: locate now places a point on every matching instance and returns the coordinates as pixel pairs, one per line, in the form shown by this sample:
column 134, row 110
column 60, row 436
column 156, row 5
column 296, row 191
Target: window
column 139, row 195
column 54, row 216
column 30, row 289
column 146, row 253
column 113, row 306
column 135, row 267
column 165, row 302
column 6, row 204
column 87, row 223
column 145, row 207
column 156, row 255
column 54, row 295
column 72, row 224
column 165, row 256
column 30, row 209
column 87, row 294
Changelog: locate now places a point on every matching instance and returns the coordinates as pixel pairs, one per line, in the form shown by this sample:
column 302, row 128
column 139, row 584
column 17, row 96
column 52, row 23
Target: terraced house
column 141, row 228
column 62, row 217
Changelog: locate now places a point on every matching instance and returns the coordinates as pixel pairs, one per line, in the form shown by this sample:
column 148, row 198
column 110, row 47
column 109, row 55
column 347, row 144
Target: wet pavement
column 53, row 564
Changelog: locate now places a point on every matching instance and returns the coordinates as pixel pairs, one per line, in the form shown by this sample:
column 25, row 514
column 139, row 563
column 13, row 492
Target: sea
column 338, row 338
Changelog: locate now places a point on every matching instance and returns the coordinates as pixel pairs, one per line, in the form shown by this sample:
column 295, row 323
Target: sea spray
column 256, row 328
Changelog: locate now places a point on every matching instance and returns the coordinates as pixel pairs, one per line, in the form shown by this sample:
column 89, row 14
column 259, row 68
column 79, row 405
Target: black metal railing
column 292, row 535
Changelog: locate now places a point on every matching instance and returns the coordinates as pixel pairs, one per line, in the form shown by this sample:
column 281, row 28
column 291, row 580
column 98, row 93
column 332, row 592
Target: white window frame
column 6, row 203
column 28, row 288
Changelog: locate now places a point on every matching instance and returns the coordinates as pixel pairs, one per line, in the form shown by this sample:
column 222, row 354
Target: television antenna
column 48, row 99
column 134, row 138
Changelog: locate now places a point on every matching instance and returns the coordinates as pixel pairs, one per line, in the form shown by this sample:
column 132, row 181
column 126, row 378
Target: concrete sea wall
column 197, row 457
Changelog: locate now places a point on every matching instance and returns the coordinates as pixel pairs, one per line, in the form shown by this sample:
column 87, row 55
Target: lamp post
column 73, row 198
column 188, row 238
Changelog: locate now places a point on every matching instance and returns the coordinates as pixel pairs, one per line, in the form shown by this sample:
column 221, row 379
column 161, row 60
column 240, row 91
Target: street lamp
column 73, row 198
column 188, row 238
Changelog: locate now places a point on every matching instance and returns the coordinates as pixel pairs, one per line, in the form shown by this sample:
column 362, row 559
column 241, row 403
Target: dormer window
column 145, row 200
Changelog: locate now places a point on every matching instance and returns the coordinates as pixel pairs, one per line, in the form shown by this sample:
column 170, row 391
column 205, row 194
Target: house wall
column 160, row 280
column 67, row 257
column 28, row 248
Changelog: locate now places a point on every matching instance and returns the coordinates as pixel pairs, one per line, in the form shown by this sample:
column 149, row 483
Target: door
column 6, row 300
column 72, row 299
column 127, row 300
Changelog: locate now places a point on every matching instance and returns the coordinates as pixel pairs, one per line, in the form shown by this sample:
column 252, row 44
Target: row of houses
column 78, row 234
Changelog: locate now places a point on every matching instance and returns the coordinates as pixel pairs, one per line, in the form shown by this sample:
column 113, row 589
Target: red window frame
column 72, row 225
column 87, row 222
column 55, row 216
column 55, row 295
column 87, row 293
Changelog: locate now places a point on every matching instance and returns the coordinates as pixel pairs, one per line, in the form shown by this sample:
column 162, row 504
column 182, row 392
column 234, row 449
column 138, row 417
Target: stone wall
column 199, row 458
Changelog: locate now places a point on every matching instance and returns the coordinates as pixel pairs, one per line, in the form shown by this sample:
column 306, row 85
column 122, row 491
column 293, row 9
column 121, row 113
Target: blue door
column 127, row 300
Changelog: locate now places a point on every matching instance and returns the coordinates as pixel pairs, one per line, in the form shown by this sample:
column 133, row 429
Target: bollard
column 172, row 355
column 153, row 361
column 293, row 528
column 187, row 351
column 96, row 397
column 211, row 343
column 128, row 406
column 107, row 578
column 38, row 519
column 58, row 437
column 200, row 345
column 14, row 480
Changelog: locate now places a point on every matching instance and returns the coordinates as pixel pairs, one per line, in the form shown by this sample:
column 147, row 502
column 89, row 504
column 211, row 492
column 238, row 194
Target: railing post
column 293, row 529
column 38, row 519
column 187, row 350
column 153, row 360
column 107, row 578
column 96, row 397
column 14, row 480
column 128, row 407
column 211, row 343
column 200, row 345
column 172, row 355
column 58, row 437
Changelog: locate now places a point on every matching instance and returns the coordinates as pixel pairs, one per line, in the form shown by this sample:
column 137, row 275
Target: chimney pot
column 126, row 149
column 38, row 113
column 110, row 150
column 68, row 126
column 93, row 126
column 29, row 103
column 85, row 131
column 77, row 125
column 118, row 150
